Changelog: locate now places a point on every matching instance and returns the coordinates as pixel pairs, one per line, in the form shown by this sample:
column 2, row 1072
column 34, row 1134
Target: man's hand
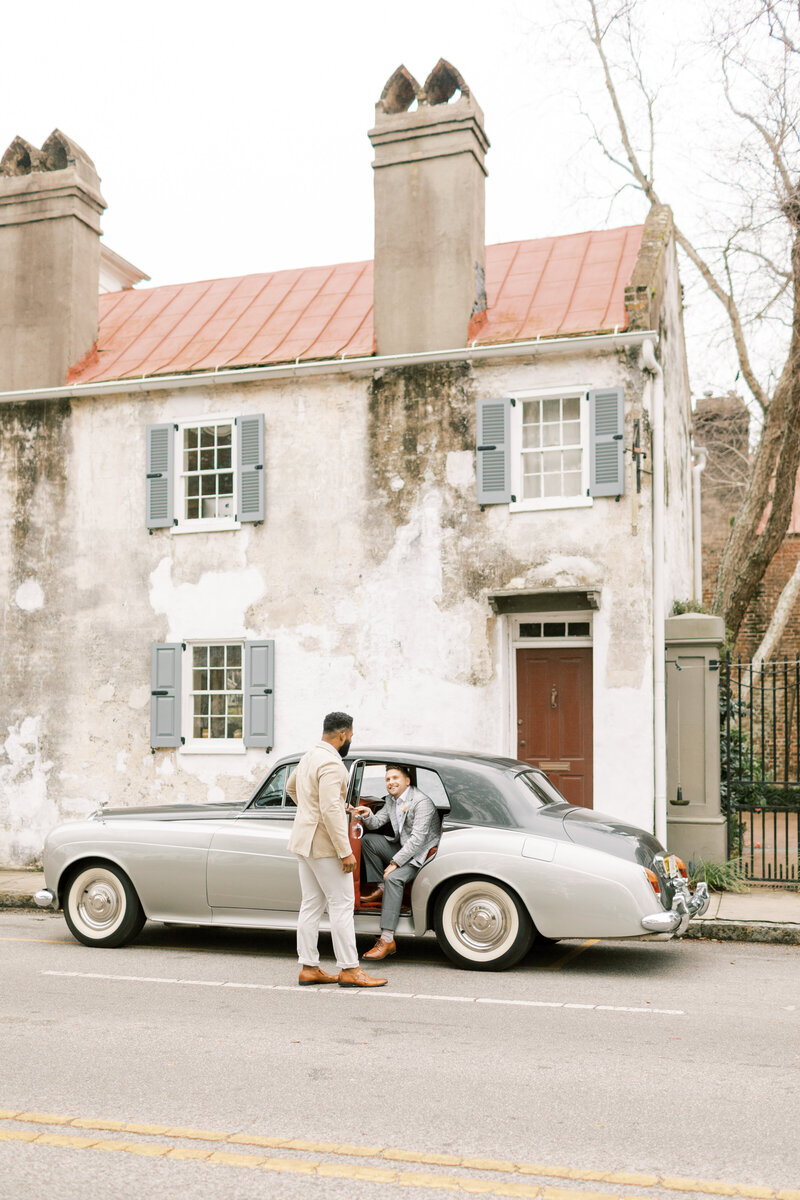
column 391, row 867
column 362, row 811
column 349, row 864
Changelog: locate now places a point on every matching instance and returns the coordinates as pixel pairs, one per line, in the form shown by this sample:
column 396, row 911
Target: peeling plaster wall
column 371, row 573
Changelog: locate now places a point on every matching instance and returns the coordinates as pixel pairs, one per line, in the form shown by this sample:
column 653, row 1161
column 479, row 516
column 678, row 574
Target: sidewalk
column 760, row 915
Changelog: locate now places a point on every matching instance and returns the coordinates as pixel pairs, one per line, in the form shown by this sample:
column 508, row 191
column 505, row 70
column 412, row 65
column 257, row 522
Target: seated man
column 413, row 826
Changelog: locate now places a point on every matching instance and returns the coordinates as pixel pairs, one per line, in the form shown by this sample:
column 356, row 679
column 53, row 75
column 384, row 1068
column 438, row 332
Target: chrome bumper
column 45, row 898
column 685, row 905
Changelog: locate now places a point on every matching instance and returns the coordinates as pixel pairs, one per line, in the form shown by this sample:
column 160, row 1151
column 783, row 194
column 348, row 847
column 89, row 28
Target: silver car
column 515, row 863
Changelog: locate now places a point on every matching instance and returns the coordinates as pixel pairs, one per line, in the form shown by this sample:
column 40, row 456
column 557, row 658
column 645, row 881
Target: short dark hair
column 399, row 767
column 335, row 722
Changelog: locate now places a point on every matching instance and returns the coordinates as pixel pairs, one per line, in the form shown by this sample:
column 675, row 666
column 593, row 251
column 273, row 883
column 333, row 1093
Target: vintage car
column 515, row 863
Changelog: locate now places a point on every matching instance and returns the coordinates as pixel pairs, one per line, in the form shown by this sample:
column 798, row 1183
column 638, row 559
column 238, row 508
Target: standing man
column 413, row 828
column 320, row 839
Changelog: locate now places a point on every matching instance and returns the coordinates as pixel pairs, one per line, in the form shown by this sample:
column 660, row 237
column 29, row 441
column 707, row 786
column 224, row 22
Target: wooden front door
column 554, row 717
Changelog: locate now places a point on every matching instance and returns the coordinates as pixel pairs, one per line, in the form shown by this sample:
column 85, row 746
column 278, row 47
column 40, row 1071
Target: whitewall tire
column 101, row 907
column 482, row 925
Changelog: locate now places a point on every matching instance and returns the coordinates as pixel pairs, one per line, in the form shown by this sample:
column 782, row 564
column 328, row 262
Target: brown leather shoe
column 309, row 975
column 372, row 897
column 355, row 977
column 381, row 949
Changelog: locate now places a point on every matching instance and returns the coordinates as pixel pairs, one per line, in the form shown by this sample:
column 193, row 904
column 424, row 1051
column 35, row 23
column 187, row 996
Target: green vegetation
column 720, row 876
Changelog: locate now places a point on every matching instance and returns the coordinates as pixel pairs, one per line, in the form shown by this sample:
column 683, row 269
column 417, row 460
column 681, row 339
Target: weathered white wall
column 370, row 572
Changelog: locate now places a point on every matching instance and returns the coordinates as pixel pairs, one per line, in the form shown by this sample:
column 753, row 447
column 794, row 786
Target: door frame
column 515, row 642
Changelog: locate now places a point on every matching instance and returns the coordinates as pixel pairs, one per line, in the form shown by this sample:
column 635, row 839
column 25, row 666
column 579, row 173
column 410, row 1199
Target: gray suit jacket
column 422, row 827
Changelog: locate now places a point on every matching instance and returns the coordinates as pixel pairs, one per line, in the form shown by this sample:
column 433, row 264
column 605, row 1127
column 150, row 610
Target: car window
column 541, row 787
column 371, row 784
column 272, row 793
column 430, row 783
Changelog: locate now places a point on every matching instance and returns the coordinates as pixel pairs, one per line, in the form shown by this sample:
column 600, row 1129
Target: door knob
column 522, row 743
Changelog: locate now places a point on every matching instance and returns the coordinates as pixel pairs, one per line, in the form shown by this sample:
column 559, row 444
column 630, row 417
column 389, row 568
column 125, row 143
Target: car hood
column 169, row 812
column 601, row 832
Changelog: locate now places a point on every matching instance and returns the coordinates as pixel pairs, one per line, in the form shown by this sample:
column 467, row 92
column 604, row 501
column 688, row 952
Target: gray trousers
column 377, row 850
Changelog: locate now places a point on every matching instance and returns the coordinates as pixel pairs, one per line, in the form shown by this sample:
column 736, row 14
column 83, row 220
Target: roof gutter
column 366, row 364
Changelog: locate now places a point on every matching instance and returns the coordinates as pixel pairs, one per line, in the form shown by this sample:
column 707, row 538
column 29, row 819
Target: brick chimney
column 50, row 206
column 429, row 212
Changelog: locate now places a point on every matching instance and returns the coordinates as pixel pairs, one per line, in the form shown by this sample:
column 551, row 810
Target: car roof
column 414, row 754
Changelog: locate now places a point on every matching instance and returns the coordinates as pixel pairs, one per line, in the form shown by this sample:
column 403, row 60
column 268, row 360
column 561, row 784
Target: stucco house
column 448, row 491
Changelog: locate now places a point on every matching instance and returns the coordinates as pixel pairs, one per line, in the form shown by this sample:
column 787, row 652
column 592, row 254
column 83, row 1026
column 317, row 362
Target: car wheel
column 482, row 925
column 101, row 907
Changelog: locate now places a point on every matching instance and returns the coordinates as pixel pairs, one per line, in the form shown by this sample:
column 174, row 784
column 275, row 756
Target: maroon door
column 554, row 717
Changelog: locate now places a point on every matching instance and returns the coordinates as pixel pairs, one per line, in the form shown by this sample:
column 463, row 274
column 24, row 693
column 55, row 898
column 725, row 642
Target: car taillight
column 654, row 884
column 681, row 865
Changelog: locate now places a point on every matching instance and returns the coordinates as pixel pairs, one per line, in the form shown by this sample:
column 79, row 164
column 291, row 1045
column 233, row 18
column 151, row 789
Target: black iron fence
column 760, row 713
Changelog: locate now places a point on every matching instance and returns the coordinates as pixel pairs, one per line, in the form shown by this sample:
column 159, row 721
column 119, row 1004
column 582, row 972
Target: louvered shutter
column 165, row 694
column 607, row 445
column 494, row 452
column 160, row 489
column 251, row 468
column 259, row 696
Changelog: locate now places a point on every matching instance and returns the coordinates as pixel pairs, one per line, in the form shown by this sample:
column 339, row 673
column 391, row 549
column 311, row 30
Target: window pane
column 551, row 410
column 235, row 727
column 193, row 485
column 554, row 629
column 530, row 629
column 571, row 433
column 218, row 727
column 223, row 435
column 225, row 485
column 208, row 485
column 235, row 705
column 217, row 681
column 192, row 509
column 530, row 411
column 200, row 680
column 233, row 679
column 207, row 460
column 218, row 704
column 216, row 656
column 532, row 487
column 207, row 435
column 572, row 484
column 191, row 460
column 223, row 458
column 572, row 408
column 199, row 728
column 200, row 656
column 579, row 629
column 189, row 438
column 572, row 460
column 552, row 485
column 552, row 461
column 551, row 435
column 531, row 436
column 234, row 656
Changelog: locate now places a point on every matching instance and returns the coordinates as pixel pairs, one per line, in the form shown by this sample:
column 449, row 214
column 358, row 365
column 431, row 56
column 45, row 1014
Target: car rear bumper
column 685, row 905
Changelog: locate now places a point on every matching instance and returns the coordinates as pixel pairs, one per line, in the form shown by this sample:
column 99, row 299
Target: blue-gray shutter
column 251, row 494
column 606, row 441
column 259, row 697
column 165, row 694
column 494, row 451
column 160, row 483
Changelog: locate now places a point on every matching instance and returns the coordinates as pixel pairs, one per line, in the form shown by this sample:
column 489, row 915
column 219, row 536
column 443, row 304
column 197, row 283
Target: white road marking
column 283, row 987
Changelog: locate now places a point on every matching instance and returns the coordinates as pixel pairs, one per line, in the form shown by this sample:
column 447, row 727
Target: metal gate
column 760, row 748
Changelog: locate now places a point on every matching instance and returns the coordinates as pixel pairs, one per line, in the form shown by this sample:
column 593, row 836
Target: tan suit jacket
column 318, row 787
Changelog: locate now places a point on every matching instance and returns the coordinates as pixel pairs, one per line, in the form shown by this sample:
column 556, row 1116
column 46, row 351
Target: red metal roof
column 542, row 288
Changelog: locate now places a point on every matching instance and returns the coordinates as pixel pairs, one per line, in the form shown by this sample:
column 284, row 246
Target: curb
column 744, row 931
column 19, row 900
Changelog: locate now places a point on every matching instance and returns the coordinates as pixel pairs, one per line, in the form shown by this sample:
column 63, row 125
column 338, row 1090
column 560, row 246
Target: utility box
column 696, row 825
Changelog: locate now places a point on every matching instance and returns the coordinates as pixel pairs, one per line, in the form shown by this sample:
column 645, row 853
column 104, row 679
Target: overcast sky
column 232, row 137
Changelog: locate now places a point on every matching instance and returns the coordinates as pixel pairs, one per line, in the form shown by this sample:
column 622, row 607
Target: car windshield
column 541, row 787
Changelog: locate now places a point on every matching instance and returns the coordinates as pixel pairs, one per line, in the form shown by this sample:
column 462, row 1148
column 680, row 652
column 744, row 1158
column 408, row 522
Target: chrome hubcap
column 99, row 905
column 482, row 922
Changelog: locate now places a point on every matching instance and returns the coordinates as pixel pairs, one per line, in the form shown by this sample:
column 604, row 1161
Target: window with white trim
column 205, row 474
column 550, row 450
column 212, row 696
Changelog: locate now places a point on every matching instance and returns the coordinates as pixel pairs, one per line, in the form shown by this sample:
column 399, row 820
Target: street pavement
column 190, row 1064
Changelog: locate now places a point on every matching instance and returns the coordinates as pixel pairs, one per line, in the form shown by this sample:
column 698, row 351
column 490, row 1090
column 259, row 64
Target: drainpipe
column 700, row 460
column 651, row 365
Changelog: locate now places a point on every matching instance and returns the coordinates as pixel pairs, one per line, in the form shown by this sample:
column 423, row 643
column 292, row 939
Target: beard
column 344, row 749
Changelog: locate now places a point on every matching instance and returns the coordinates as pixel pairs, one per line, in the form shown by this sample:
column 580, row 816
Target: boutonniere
column 405, row 808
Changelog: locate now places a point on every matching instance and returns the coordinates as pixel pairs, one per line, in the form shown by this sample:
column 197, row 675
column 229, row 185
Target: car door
column 249, row 863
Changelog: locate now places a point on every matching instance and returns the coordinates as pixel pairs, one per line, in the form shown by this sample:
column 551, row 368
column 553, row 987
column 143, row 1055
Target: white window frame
column 193, row 745
column 204, row 524
column 583, row 500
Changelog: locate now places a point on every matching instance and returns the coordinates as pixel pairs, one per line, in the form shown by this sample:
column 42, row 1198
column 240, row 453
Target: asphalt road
column 127, row 1072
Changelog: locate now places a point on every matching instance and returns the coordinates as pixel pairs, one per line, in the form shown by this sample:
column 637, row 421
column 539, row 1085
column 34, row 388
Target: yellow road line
column 568, row 957
column 345, row 1170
